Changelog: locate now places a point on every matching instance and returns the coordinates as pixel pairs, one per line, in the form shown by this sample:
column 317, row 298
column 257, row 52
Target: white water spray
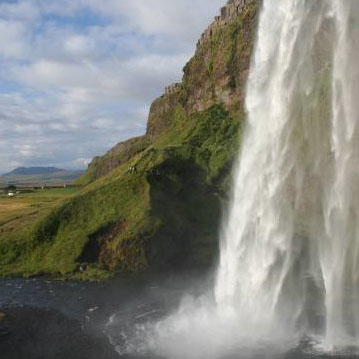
column 290, row 247
column 289, row 262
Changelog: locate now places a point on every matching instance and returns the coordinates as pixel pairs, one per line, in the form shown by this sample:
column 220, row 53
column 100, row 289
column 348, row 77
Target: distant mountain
column 39, row 175
column 30, row 171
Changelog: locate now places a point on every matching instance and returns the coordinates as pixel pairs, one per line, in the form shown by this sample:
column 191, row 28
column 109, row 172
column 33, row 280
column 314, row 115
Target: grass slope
column 164, row 215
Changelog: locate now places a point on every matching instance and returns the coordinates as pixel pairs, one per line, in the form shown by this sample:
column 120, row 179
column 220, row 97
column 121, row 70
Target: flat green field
column 27, row 207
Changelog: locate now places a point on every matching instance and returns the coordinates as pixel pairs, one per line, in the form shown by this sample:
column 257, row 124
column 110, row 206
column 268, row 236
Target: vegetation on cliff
column 153, row 202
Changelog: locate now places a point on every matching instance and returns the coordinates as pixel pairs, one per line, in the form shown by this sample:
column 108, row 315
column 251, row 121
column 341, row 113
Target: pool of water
column 41, row 314
column 76, row 320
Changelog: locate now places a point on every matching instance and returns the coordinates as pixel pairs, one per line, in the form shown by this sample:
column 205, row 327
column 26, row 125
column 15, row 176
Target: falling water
column 289, row 262
column 289, row 252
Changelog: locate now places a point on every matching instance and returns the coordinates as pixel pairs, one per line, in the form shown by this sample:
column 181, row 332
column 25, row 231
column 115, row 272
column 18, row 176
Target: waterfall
column 290, row 245
column 289, row 256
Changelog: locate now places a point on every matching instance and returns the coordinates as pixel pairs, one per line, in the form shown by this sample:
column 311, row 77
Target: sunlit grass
column 25, row 208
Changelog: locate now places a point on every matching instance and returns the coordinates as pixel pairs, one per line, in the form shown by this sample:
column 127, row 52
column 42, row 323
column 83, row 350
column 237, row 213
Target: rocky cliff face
column 217, row 73
column 154, row 202
column 116, row 156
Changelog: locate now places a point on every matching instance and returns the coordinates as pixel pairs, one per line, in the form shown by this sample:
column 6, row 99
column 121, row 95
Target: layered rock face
column 217, row 72
column 116, row 156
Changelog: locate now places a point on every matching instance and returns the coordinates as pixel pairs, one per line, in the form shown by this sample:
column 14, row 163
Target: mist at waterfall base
column 289, row 266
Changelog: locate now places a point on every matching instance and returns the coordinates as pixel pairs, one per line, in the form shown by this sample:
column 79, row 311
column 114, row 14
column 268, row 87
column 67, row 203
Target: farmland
column 27, row 206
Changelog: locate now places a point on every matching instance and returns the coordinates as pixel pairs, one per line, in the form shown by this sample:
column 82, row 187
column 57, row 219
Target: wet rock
column 2, row 316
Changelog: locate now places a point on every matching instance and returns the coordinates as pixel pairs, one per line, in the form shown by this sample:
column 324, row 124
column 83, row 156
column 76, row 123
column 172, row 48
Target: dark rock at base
column 2, row 316
column 29, row 333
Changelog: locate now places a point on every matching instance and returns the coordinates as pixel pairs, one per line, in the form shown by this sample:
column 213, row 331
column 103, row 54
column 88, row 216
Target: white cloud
column 26, row 150
column 79, row 45
column 12, row 39
column 20, row 10
column 77, row 76
column 179, row 18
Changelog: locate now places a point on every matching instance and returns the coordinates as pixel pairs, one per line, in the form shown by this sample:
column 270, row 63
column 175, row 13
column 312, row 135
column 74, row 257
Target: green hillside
column 154, row 202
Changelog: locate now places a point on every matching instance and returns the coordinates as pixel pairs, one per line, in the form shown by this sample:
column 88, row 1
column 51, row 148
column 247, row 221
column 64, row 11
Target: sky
column 79, row 76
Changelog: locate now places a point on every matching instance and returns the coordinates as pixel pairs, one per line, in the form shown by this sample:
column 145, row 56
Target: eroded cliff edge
column 216, row 74
column 154, row 202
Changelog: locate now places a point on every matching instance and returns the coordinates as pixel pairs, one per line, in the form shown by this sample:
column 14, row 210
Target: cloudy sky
column 78, row 76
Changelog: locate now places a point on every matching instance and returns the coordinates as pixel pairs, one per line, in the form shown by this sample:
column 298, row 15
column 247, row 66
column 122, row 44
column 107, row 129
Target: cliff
column 216, row 74
column 154, row 202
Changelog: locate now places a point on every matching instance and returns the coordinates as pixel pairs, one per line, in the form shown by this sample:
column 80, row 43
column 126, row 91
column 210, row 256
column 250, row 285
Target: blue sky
column 78, row 76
